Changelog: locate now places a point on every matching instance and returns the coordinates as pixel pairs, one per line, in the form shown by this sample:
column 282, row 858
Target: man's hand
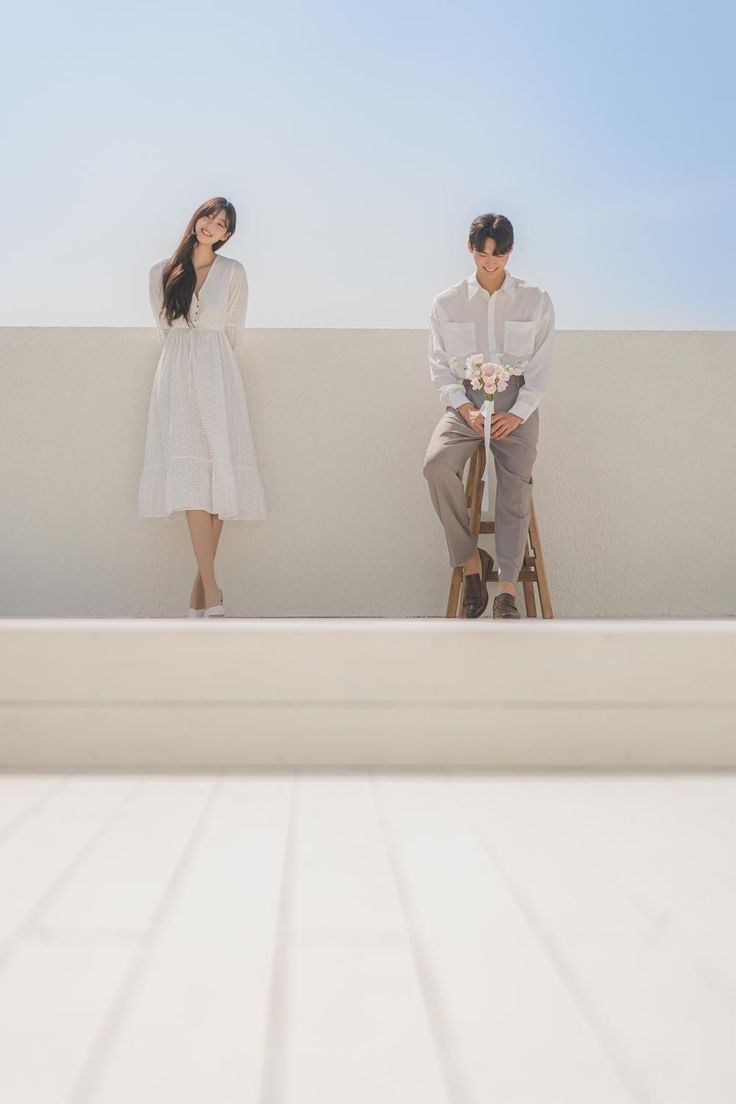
column 503, row 424
column 473, row 417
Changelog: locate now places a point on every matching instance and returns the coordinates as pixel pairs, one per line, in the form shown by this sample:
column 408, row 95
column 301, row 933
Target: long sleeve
column 537, row 369
column 156, row 298
column 444, row 379
column 237, row 304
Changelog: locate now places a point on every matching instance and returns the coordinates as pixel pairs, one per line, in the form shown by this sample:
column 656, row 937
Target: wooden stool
column 532, row 570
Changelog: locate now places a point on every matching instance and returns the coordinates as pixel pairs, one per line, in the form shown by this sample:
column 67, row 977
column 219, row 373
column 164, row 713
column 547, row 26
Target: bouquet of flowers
column 491, row 377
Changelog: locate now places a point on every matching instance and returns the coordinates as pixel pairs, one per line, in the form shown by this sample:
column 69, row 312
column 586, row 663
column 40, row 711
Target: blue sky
column 358, row 141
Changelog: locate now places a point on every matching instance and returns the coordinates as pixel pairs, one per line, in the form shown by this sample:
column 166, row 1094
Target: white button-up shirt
column 518, row 319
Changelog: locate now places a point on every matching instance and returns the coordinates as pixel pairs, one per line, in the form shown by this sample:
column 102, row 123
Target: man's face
column 486, row 259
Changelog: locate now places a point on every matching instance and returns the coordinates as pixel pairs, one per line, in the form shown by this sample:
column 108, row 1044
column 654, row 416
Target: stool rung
column 526, row 575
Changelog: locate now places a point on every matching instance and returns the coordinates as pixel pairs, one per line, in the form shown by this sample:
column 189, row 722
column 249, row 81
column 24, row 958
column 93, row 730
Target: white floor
column 368, row 938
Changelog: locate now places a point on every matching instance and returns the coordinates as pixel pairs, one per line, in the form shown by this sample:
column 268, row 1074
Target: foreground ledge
column 244, row 693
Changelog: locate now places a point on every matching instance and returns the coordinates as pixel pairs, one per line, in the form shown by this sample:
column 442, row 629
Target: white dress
column 199, row 451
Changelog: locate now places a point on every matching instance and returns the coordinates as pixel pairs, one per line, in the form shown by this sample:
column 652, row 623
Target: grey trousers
column 451, row 446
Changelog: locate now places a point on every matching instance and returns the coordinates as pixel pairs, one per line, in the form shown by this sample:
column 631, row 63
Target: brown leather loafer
column 504, row 605
column 475, row 596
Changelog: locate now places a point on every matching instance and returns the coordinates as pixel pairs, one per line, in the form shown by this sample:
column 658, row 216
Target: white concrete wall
column 634, row 482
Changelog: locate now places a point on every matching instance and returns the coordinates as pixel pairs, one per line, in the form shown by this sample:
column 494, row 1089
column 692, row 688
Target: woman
column 199, row 452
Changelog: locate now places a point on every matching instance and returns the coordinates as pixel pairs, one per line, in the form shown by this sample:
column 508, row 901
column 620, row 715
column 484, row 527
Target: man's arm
column 536, row 372
column 451, row 390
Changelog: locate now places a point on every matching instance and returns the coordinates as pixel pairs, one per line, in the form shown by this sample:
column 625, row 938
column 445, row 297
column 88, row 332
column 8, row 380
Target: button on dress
column 199, row 450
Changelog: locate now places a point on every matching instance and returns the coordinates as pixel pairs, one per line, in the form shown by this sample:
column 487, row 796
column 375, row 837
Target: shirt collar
column 508, row 285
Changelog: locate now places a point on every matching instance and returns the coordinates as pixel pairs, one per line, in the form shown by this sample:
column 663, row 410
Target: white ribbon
column 487, row 410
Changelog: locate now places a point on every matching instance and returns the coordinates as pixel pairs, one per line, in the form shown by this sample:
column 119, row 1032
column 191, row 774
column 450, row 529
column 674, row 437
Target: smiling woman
column 199, row 452
column 211, row 225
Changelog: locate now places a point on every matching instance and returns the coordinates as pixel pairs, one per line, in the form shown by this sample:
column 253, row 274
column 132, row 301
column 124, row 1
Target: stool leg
column 529, row 601
column 455, row 585
column 476, row 487
column 544, row 597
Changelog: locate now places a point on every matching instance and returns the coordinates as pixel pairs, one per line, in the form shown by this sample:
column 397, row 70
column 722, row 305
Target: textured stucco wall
column 634, row 481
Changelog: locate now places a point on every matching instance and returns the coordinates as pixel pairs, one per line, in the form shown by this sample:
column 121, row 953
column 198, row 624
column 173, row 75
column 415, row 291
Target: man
column 490, row 312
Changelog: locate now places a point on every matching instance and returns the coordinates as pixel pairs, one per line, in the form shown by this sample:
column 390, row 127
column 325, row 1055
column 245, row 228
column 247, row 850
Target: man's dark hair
column 497, row 227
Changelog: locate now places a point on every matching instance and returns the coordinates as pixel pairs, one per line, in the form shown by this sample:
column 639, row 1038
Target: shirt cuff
column 522, row 409
column 457, row 397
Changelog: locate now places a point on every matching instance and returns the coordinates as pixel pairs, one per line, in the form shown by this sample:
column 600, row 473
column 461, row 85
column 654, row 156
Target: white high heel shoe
column 215, row 611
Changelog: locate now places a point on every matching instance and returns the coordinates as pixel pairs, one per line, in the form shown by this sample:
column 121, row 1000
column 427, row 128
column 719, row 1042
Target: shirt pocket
column 459, row 338
column 518, row 338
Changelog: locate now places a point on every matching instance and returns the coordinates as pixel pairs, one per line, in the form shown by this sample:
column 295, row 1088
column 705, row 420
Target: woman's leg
column 205, row 530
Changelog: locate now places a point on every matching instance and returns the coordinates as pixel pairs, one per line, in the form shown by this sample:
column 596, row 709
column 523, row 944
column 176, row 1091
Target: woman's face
column 211, row 229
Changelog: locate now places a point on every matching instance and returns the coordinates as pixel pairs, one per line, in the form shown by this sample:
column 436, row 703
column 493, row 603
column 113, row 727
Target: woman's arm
column 156, row 299
column 237, row 305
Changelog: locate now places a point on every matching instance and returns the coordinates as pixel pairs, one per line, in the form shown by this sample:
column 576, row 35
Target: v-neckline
column 209, row 272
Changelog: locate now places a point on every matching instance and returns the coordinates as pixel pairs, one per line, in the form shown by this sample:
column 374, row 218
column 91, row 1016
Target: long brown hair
column 179, row 277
